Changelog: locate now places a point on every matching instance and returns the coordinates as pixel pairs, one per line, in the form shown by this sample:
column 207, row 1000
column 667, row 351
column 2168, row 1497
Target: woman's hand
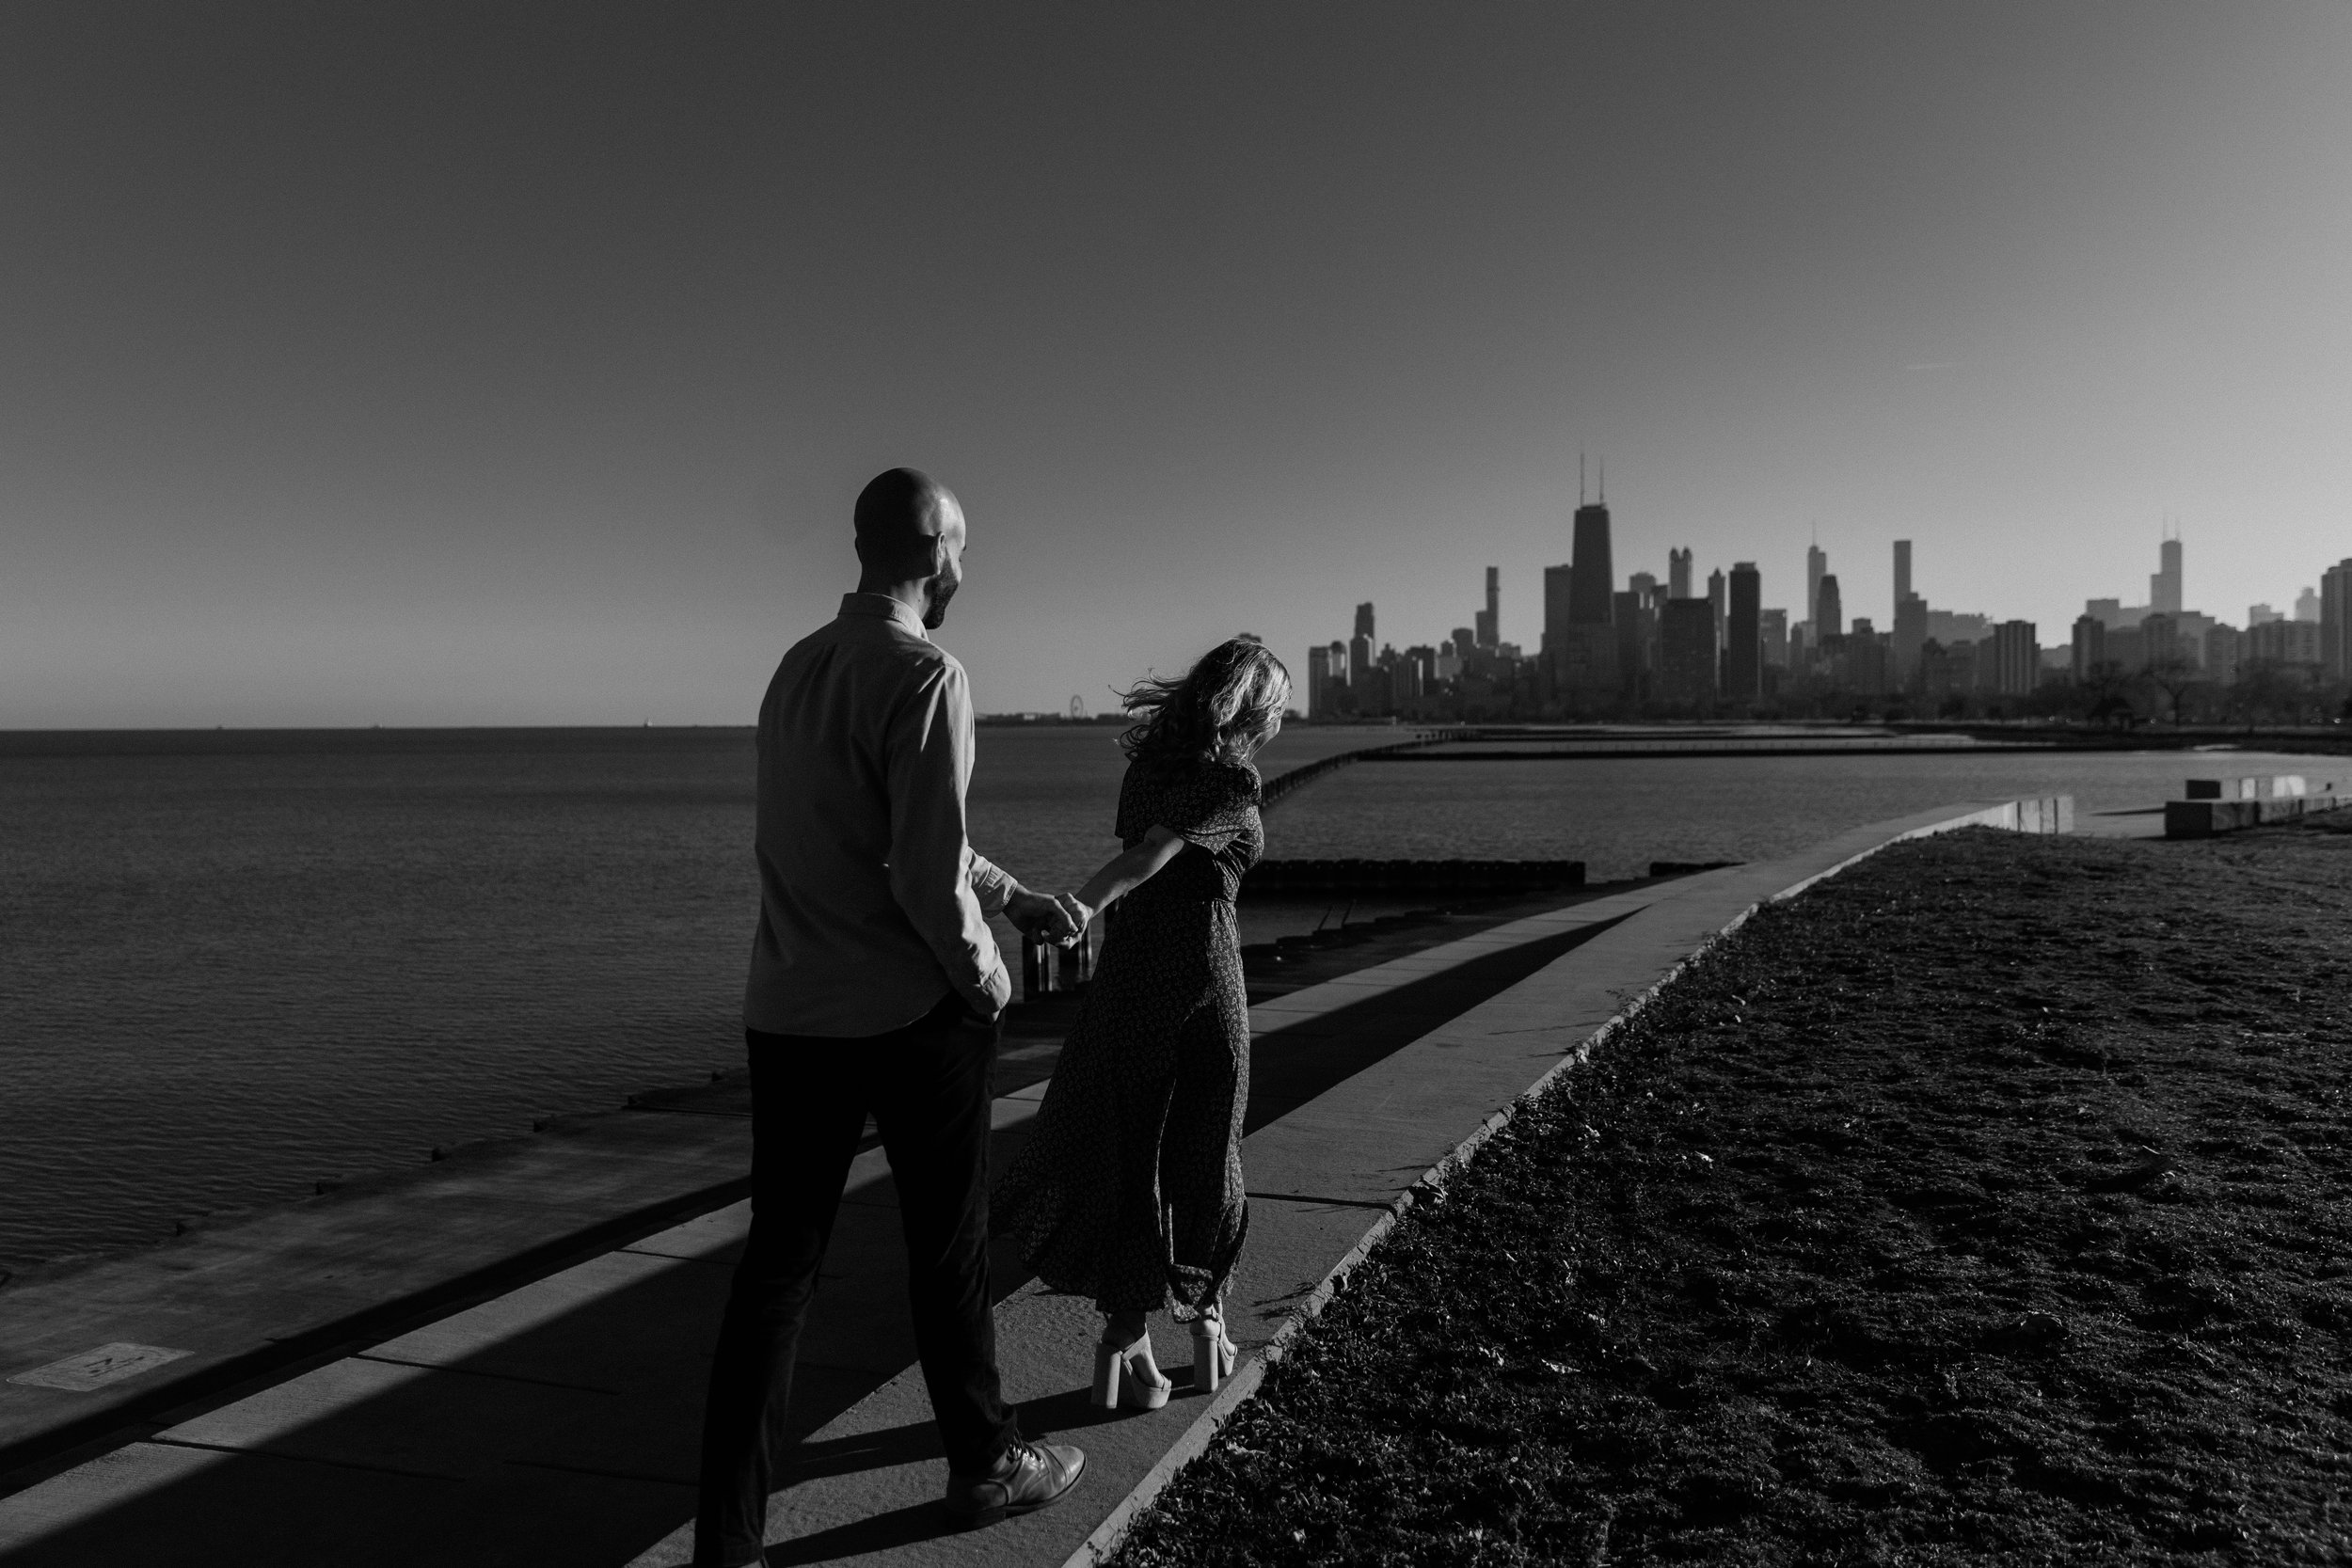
column 1056, row 917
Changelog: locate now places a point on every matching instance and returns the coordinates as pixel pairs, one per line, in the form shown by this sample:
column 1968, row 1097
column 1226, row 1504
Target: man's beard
column 936, row 597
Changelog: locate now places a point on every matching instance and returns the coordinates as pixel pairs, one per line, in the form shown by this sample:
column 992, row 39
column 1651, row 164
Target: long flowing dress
column 1129, row 1189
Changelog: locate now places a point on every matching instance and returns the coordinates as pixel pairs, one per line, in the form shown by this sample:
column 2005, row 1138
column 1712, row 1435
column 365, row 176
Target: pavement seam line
column 305, row 1459
column 480, row 1371
column 1098, row 1547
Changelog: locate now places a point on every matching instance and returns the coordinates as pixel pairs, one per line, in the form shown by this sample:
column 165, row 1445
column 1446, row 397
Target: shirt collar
column 884, row 608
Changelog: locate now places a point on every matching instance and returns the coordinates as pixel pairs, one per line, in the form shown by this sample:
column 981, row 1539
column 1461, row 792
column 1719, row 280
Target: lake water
column 231, row 965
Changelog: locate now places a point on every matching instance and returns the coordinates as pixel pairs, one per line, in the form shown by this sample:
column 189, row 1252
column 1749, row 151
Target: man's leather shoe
column 1026, row 1476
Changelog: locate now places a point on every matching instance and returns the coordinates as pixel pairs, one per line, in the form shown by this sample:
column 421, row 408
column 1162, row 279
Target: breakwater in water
column 1273, row 790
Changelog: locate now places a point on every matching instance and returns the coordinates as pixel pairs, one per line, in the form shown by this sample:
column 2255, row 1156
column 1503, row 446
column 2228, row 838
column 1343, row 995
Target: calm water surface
column 232, row 965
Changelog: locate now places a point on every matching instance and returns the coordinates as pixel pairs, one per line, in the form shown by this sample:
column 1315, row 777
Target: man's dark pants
column 928, row 1088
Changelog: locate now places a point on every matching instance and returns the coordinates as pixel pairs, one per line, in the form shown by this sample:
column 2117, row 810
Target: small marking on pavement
column 95, row 1369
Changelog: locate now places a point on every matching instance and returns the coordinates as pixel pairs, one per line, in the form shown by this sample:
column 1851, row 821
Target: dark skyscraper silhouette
column 1490, row 619
column 1829, row 611
column 1743, row 654
column 2164, row 585
column 1559, row 606
column 1686, row 653
column 1589, row 592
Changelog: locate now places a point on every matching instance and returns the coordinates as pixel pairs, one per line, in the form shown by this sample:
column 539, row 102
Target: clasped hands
column 1054, row 917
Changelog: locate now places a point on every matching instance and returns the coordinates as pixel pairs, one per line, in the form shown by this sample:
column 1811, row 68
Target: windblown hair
column 1221, row 710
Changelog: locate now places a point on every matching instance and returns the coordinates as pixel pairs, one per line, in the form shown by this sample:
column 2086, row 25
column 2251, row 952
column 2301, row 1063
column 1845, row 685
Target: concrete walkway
column 556, row 1422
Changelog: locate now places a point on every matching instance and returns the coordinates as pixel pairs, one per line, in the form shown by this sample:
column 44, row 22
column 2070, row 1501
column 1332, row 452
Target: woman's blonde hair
column 1222, row 710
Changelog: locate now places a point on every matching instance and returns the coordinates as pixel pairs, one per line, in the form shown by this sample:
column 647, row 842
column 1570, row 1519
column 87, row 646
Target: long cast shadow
column 1291, row 1065
column 534, row 1459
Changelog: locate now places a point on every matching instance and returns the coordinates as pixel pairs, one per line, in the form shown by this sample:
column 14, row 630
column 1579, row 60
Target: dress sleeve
column 1211, row 806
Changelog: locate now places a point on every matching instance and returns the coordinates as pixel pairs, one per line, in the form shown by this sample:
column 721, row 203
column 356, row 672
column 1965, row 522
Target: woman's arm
column 1130, row 869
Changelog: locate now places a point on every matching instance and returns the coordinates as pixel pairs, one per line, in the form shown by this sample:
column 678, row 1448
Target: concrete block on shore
column 2259, row 787
column 2040, row 813
column 2204, row 818
column 2046, row 814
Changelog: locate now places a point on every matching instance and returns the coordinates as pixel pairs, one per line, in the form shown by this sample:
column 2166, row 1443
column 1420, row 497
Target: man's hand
column 1057, row 918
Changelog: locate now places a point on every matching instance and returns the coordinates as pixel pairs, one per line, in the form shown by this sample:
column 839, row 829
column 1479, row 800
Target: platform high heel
column 1126, row 1374
column 1213, row 1352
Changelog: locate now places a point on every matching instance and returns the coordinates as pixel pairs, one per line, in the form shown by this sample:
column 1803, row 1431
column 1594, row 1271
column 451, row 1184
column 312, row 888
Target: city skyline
column 431, row 365
column 2169, row 592
column 1653, row 649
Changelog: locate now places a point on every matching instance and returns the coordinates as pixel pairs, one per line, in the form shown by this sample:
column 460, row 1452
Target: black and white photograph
column 1274, row 786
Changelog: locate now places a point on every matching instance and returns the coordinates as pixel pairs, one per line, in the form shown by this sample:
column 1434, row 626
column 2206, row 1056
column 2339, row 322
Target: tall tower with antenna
column 2164, row 585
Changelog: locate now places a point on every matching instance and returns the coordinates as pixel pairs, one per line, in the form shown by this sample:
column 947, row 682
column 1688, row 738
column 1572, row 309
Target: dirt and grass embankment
column 1992, row 1202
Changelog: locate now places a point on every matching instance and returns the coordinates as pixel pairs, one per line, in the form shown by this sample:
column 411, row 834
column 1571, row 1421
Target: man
column 875, row 986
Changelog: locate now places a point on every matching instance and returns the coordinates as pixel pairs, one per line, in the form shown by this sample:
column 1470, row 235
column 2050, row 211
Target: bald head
column 910, row 540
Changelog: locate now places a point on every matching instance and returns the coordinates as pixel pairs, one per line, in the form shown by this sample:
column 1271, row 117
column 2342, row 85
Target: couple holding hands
column 876, row 987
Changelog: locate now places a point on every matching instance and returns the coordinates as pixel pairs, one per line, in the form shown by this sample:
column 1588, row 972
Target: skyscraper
column 1318, row 682
column 1902, row 575
column 2335, row 619
column 1911, row 633
column 1829, row 614
column 1587, row 658
column 1677, row 574
column 2164, row 585
column 2285, row 643
column 1635, row 626
column 1715, row 598
column 1558, row 605
column 2016, row 659
column 1686, row 653
column 2090, row 645
column 2223, row 645
column 1775, row 630
column 1743, row 656
column 1816, row 567
column 1490, row 619
column 1359, row 670
column 1594, row 579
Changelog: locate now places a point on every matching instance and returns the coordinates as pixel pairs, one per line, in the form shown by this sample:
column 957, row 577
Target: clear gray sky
column 479, row 363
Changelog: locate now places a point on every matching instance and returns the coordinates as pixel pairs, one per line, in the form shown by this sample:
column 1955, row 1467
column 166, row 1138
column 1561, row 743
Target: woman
column 1129, row 1190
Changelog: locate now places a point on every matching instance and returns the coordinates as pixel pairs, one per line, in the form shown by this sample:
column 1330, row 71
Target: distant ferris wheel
column 1078, row 708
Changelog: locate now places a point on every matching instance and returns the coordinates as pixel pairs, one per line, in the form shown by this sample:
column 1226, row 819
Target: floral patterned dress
column 1129, row 1189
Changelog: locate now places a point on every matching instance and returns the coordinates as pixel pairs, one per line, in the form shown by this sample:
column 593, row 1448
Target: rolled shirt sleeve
column 934, row 875
column 991, row 884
